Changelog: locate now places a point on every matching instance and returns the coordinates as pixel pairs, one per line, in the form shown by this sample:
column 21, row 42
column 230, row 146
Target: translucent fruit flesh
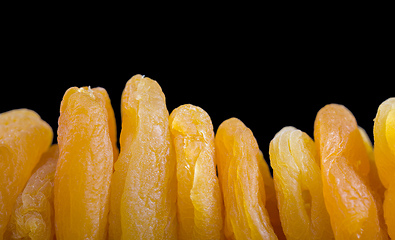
column 23, row 139
column 199, row 198
column 33, row 214
column 143, row 188
column 242, row 184
column 85, row 165
column 353, row 208
column 384, row 152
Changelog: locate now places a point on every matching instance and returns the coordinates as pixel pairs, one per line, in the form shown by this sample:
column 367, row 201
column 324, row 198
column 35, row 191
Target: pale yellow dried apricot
column 297, row 179
column 33, row 214
column 143, row 188
column 384, row 153
column 199, row 199
column 23, row 139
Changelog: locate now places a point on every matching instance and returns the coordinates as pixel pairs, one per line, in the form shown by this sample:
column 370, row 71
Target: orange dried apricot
column 242, row 184
column 389, row 209
column 143, row 188
column 33, row 214
column 353, row 208
column 384, row 153
column 85, row 165
column 24, row 136
column 199, row 197
column 298, row 184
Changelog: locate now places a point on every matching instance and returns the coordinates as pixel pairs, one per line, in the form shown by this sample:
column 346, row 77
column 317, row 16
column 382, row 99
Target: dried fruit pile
column 173, row 178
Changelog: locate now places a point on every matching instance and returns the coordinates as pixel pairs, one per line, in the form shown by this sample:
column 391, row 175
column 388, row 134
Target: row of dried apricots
column 175, row 179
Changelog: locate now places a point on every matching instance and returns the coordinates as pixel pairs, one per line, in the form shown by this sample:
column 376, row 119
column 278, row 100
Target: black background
column 268, row 77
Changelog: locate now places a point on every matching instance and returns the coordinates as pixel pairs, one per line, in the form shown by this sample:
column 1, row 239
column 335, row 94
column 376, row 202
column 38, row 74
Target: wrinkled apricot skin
column 384, row 152
column 198, row 192
column 33, row 214
column 85, row 165
column 144, row 188
column 298, row 184
column 242, row 184
column 353, row 209
column 23, row 138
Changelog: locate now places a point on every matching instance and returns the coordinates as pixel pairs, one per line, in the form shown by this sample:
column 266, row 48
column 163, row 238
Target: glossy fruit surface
column 85, row 165
column 33, row 213
column 242, row 184
column 353, row 209
column 384, row 152
column 297, row 179
column 143, row 188
column 199, row 199
column 23, row 138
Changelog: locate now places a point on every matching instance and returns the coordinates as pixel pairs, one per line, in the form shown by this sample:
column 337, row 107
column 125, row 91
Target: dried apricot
column 85, row 165
column 353, row 209
column 242, row 184
column 374, row 179
column 389, row 209
column 33, row 214
column 23, row 139
column 384, row 153
column 298, row 184
column 111, row 120
column 271, row 200
column 143, row 188
column 384, row 142
column 199, row 197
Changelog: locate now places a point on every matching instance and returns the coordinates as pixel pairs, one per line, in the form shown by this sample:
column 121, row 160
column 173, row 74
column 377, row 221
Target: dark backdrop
column 266, row 80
